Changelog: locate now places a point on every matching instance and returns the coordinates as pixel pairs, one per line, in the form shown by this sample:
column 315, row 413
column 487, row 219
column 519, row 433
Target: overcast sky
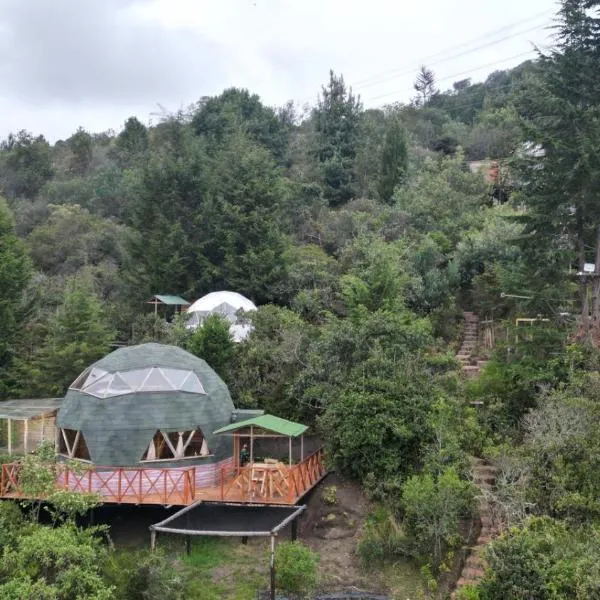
column 66, row 63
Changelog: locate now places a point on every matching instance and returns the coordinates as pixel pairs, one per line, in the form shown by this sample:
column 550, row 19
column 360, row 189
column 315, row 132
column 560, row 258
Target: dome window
column 176, row 445
column 71, row 444
column 102, row 384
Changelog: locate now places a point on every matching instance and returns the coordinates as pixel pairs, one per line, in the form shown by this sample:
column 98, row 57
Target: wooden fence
column 181, row 486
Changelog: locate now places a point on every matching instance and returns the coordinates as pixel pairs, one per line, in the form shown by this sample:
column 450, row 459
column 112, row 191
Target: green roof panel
column 171, row 300
column 268, row 422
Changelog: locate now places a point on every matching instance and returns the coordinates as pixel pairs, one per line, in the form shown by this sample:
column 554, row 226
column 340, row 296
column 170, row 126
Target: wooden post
column 301, row 447
column 294, row 530
column 153, row 536
column 272, row 565
column 251, row 444
column 9, row 437
column 290, row 451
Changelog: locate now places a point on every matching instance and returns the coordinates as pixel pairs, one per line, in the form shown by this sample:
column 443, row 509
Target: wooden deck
column 273, row 483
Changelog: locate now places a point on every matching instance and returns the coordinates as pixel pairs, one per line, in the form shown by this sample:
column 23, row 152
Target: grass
column 223, row 568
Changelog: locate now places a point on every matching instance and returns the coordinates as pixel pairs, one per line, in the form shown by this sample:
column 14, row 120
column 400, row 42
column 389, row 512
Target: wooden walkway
column 274, row 483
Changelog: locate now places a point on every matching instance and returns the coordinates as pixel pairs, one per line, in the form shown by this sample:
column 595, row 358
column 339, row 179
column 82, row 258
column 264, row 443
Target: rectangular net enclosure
column 229, row 519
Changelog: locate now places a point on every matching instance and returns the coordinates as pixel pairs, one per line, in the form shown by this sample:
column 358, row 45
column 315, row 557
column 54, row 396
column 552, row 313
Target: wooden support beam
column 272, row 568
column 290, row 451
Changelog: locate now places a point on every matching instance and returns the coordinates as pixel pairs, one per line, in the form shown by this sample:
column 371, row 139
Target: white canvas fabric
column 226, row 304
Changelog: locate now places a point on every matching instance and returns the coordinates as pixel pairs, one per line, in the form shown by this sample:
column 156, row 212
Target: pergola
column 264, row 426
column 228, row 520
column 28, row 423
column 167, row 300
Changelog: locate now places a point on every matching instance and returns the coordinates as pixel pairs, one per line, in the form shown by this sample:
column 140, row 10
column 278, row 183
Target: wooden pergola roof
column 270, row 423
column 20, row 410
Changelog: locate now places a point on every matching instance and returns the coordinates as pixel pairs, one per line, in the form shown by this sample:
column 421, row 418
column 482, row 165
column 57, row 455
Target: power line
column 442, row 52
column 454, row 75
column 382, row 79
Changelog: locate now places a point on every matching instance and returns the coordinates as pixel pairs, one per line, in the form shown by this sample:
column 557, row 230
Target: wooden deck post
column 290, row 451
column 9, row 437
column 301, row 447
column 26, row 436
column 251, row 444
column 153, row 536
column 272, row 567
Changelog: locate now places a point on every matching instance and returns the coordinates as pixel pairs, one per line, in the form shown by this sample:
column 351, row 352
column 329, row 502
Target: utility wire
column 447, row 58
column 454, row 75
column 442, row 52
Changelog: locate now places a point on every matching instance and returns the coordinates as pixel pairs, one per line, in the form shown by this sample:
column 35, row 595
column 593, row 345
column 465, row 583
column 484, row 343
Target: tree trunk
column 595, row 325
column 584, row 322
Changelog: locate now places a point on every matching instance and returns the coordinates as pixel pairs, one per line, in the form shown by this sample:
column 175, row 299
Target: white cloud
column 67, row 63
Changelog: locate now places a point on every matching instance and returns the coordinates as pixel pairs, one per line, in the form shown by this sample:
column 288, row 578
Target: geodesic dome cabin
column 226, row 304
column 150, row 405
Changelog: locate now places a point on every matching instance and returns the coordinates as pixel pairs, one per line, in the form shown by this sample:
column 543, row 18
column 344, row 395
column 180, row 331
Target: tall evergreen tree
column 15, row 273
column 337, row 119
column 394, row 160
column 560, row 167
column 78, row 334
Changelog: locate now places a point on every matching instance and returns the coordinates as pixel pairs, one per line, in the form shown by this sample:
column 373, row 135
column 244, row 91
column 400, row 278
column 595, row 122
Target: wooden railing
column 284, row 486
column 178, row 486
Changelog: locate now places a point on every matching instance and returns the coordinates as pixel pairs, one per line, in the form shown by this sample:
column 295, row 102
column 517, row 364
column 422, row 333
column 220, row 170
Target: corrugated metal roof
column 171, row 300
column 268, row 422
column 28, row 408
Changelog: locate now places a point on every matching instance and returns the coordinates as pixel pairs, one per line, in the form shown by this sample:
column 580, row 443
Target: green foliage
column 394, row 160
column 329, row 495
column 15, row 271
column 27, row 165
column 213, row 343
column 144, row 575
column 295, row 568
column 383, row 539
column 80, row 144
column 337, row 118
column 62, row 563
column 543, row 560
column 433, row 509
column 77, row 335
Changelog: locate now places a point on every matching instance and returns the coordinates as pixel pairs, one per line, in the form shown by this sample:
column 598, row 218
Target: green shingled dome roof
column 118, row 428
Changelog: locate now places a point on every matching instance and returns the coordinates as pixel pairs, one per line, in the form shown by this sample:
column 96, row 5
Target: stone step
column 469, row 573
column 485, row 469
column 474, row 561
column 484, row 479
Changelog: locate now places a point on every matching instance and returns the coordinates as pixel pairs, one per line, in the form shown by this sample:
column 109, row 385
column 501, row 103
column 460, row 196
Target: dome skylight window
column 102, row 384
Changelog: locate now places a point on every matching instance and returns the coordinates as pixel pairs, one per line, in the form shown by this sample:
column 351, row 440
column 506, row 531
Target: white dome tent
column 226, row 304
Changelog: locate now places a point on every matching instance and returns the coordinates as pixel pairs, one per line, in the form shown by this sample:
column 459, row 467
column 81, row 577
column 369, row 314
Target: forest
column 362, row 235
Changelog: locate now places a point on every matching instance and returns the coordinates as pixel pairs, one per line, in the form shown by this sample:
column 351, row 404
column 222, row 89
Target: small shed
column 27, row 423
column 177, row 303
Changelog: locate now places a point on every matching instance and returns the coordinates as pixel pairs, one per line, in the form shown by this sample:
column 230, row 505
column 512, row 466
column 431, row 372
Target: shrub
column 433, row 509
column 383, row 539
column 295, row 568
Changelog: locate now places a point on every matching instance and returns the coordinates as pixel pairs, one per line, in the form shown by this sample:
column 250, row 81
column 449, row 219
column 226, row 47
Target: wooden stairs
column 468, row 353
column 484, row 477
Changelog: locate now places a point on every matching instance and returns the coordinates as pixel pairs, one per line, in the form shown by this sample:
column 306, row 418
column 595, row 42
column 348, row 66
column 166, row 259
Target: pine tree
column 15, row 273
column 78, row 334
column 560, row 166
column 394, row 160
column 425, row 85
column 337, row 119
